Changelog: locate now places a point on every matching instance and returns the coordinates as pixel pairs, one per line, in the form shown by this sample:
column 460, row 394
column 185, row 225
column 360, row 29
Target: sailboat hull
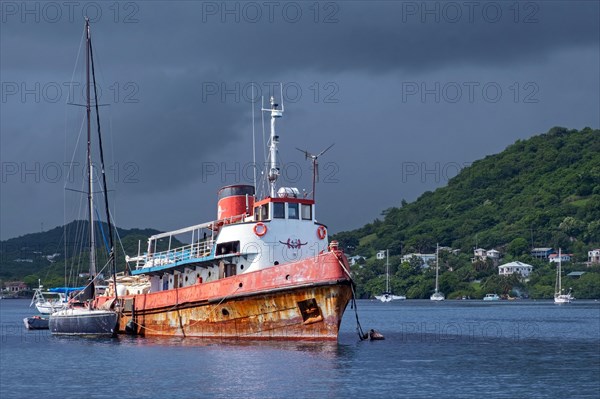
column 303, row 300
column 437, row 297
column 563, row 298
column 80, row 321
column 390, row 297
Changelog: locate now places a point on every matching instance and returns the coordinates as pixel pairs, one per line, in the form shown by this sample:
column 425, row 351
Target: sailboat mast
column 559, row 279
column 111, row 254
column 437, row 265
column 89, row 153
column 387, row 270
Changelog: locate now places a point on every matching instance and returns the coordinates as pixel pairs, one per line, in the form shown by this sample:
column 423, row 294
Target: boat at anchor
column 263, row 269
column 387, row 295
column 82, row 316
column 559, row 294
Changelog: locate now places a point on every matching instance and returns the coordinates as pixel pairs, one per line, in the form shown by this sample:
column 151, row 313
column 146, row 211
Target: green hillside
column 42, row 255
column 540, row 192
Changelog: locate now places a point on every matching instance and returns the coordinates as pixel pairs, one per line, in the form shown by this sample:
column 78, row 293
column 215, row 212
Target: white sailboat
column 437, row 295
column 559, row 296
column 387, row 295
column 80, row 317
column 47, row 302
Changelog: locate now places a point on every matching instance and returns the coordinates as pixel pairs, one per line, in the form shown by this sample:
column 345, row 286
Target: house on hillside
column 481, row 254
column 15, row 287
column 425, row 259
column 541, row 253
column 515, row 267
column 353, row 260
column 593, row 257
column 554, row 258
column 478, row 254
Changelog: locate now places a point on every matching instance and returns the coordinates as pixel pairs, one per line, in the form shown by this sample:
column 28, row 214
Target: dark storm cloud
column 365, row 36
column 169, row 54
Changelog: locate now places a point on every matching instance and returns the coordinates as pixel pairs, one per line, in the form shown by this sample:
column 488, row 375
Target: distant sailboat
column 437, row 296
column 387, row 295
column 559, row 296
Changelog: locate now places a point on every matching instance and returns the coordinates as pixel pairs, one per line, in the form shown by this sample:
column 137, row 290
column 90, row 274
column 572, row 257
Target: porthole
column 209, row 274
column 287, row 277
column 240, row 285
column 225, row 312
column 186, row 279
column 276, row 263
column 241, row 267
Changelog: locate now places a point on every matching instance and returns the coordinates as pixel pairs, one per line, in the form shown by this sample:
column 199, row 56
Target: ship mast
column 273, row 172
column 89, row 153
column 111, row 255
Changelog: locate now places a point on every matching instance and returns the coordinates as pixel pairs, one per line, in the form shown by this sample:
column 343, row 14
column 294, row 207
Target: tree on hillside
column 518, row 246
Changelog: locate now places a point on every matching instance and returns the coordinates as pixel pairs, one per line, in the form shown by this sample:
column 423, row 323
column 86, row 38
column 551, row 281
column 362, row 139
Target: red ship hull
column 302, row 300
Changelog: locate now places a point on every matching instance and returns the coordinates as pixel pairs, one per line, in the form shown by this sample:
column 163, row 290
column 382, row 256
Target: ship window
column 306, row 212
column 278, row 210
column 230, row 247
column 264, row 212
column 293, row 211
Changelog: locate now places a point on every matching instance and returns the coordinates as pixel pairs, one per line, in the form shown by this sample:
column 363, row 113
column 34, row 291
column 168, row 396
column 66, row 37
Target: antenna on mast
column 315, row 163
column 253, row 141
column 273, row 172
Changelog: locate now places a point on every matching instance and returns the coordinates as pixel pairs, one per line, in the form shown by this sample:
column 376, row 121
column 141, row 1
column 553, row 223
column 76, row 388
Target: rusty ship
column 264, row 269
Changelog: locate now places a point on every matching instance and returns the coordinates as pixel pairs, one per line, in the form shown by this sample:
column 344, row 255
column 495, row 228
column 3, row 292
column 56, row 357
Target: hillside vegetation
column 43, row 255
column 540, row 192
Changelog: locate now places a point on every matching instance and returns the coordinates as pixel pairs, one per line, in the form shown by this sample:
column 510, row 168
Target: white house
column 425, row 258
column 483, row 254
column 355, row 259
column 594, row 256
column 515, row 267
column 563, row 258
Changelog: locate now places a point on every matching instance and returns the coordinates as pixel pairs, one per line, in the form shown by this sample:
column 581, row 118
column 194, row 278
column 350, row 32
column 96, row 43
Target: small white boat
column 437, row 295
column 491, row 297
column 387, row 296
column 559, row 295
column 47, row 302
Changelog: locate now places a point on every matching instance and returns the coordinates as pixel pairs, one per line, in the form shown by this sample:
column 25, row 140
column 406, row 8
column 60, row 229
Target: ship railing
column 201, row 249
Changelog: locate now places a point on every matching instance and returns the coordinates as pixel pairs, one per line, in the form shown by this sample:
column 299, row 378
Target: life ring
column 260, row 229
column 321, row 232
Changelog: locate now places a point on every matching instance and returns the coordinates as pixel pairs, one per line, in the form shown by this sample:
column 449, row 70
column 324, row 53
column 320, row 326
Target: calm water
column 454, row 349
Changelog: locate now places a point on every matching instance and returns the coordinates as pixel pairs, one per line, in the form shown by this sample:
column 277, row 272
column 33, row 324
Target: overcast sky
column 409, row 92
